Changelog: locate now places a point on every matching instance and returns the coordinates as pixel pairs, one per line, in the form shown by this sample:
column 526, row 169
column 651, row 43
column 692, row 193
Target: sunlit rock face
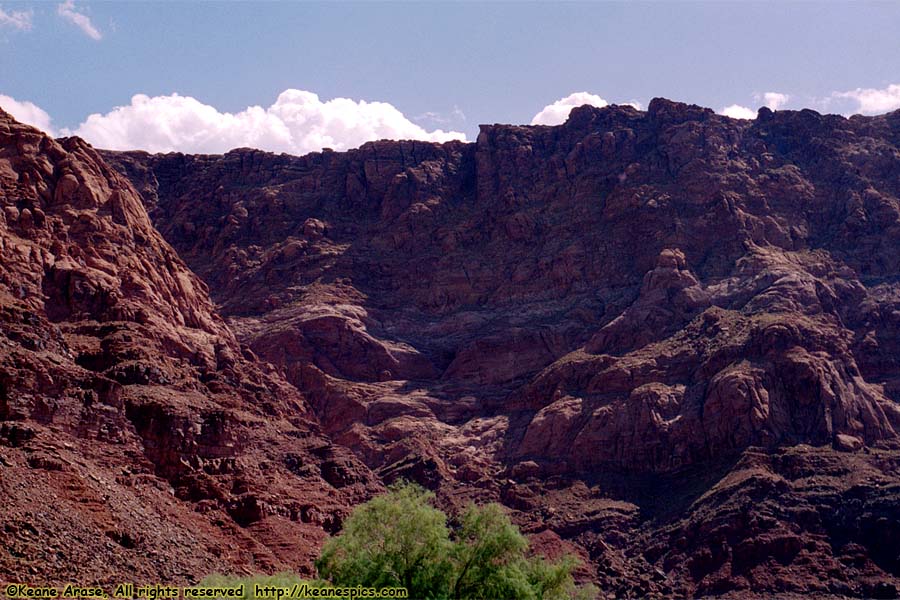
column 138, row 438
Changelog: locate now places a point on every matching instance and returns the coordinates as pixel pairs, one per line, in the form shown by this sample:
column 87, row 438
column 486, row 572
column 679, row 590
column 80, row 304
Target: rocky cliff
column 138, row 437
column 668, row 337
column 666, row 340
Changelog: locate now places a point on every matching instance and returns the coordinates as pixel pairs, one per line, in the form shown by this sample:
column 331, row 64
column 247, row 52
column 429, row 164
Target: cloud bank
column 558, row 112
column 872, row 101
column 866, row 101
column 298, row 122
column 772, row 100
column 27, row 112
column 736, row 111
column 775, row 100
column 17, row 19
column 67, row 11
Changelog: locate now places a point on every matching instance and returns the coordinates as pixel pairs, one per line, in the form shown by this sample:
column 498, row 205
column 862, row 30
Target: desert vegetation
column 400, row 539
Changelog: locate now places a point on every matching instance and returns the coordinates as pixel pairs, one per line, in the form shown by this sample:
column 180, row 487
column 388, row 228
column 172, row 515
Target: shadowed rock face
column 624, row 327
column 634, row 290
column 666, row 340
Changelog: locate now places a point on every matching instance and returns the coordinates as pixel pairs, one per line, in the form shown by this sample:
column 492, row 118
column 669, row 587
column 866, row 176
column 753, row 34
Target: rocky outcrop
column 670, row 295
column 665, row 339
column 556, row 317
column 731, row 378
column 137, row 435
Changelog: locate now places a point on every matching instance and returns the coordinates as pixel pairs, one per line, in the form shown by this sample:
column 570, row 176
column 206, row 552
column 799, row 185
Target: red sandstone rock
column 135, row 438
column 666, row 337
column 627, row 293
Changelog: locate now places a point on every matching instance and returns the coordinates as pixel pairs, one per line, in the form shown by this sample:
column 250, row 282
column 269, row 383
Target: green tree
column 395, row 540
column 553, row 580
column 489, row 557
column 400, row 540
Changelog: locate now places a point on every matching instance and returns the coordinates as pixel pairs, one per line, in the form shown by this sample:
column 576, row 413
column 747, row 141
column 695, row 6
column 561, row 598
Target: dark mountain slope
column 668, row 336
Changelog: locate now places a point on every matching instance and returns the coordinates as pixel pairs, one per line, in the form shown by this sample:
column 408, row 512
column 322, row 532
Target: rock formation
column 665, row 340
column 137, row 436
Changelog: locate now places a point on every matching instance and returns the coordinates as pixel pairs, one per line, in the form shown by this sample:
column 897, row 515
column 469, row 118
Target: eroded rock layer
column 667, row 337
column 666, row 340
column 138, row 438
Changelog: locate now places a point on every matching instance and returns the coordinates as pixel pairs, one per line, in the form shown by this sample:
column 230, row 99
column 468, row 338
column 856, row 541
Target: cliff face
column 137, row 436
column 666, row 340
column 662, row 336
column 642, row 291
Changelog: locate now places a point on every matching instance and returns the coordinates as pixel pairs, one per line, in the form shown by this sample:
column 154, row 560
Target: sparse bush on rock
column 400, row 539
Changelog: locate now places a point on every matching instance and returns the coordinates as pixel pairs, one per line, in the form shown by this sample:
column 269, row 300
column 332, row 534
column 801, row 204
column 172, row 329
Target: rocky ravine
column 667, row 340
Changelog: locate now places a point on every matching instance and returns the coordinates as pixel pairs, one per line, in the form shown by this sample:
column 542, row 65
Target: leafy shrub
column 400, row 540
column 395, row 540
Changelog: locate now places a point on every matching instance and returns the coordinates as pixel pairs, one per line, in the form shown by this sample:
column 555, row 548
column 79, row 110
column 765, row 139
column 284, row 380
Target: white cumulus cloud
column 775, row 100
column 17, row 19
column 558, row 112
column 298, row 122
column 27, row 112
column 873, row 101
column 67, row 11
column 736, row 111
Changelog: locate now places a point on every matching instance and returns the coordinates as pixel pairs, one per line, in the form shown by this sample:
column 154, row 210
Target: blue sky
column 441, row 66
